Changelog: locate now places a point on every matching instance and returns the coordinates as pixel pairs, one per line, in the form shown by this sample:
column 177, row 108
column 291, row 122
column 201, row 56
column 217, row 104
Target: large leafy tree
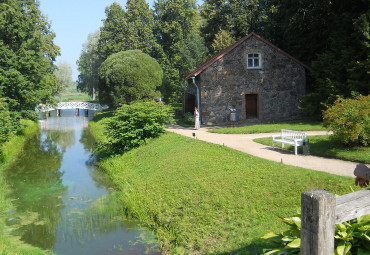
column 27, row 54
column 175, row 21
column 236, row 18
column 332, row 37
column 114, row 32
column 140, row 26
column 129, row 76
column 88, row 66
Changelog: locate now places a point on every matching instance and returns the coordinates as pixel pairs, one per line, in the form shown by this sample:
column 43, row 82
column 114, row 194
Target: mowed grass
column 270, row 128
column 326, row 146
column 202, row 198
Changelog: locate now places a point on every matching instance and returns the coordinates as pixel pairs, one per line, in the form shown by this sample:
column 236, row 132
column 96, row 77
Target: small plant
column 188, row 118
column 132, row 125
column 350, row 120
column 351, row 238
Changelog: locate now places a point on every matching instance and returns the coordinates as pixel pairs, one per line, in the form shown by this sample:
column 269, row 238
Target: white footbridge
column 73, row 105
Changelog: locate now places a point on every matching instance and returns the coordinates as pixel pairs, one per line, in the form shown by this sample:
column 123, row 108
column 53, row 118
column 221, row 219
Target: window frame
column 253, row 58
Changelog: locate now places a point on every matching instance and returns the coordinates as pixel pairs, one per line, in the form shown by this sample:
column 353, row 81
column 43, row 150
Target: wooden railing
column 321, row 210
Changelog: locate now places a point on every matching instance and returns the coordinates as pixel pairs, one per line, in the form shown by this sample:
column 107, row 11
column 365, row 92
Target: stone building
column 262, row 81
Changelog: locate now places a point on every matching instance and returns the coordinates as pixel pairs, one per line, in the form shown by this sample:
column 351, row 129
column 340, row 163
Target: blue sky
column 73, row 21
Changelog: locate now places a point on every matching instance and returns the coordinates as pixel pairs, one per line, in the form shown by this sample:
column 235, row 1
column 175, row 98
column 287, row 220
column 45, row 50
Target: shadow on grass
column 255, row 248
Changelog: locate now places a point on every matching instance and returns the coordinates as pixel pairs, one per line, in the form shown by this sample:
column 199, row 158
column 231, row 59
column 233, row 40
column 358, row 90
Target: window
column 254, row 61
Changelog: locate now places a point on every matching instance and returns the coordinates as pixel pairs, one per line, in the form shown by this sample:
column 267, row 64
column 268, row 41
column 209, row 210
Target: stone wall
column 279, row 85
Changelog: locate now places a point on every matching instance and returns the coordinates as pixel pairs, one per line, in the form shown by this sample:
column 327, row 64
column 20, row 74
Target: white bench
column 291, row 137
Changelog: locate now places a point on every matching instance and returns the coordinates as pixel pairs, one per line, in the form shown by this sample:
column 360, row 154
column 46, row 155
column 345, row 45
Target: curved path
column 246, row 144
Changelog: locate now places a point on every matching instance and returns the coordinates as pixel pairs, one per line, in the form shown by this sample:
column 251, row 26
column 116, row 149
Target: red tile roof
column 236, row 44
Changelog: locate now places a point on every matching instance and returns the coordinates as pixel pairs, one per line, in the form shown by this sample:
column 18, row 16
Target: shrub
column 188, row 118
column 8, row 123
column 351, row 237
column 132, row 125
column 350, row 120
column 128, row 76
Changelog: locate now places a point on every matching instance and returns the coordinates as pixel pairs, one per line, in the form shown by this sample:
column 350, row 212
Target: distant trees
column 88, row 66
column 63, row 74
column 128, row 76
column 27, row 54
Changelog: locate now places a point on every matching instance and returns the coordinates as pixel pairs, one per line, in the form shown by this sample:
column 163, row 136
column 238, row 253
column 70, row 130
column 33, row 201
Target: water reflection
column 62, row 200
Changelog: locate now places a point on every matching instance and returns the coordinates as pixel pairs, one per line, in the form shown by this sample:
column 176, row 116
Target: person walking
column 196, row 117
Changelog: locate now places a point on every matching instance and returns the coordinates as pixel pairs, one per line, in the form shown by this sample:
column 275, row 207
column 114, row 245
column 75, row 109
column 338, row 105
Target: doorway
column 189, row 102
column 251, row 106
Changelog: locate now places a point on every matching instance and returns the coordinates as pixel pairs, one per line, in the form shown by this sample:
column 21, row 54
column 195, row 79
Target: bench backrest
column 292, row 134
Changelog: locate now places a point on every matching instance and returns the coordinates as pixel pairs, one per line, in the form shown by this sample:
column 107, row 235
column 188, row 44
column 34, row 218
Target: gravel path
column 246, row 144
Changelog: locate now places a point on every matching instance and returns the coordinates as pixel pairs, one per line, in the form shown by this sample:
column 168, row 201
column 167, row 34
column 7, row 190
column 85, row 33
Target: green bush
column 128, row 76
column 8, row 123
column 350, row 120
column 351, row 237
column 188, row 118
column 133, row 124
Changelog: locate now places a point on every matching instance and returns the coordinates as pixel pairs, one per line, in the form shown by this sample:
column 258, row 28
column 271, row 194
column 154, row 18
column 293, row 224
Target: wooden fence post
column 318, row 222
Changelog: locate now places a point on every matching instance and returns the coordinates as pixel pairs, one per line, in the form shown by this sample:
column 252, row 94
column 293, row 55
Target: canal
column 63, row 202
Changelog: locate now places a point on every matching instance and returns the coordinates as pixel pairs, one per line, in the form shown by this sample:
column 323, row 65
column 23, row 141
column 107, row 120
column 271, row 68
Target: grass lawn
column 270, row 128
column 202, row 198
column 324, row 146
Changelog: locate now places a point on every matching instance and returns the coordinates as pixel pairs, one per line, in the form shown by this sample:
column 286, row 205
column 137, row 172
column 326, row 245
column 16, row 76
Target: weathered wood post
column 318, row 222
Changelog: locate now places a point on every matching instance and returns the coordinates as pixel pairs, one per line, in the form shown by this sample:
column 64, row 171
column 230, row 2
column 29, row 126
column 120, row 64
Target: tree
column 128, row 76
column 27, row 54
column 64, row 75
column 221, row 41
column 214, row 13
column 140, row 26
column 113, row 33
column 193, row 53
column 88, row 66
column 174, row 20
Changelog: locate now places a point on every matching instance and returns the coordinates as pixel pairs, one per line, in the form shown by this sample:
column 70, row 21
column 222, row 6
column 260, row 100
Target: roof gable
column 233, row 46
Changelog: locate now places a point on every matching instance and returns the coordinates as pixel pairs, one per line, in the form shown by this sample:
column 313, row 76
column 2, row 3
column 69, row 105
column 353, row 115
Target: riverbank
column 10, row 150
column 207, row 198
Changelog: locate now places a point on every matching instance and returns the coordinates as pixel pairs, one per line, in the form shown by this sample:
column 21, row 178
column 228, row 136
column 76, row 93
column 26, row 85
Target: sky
column 73, row 21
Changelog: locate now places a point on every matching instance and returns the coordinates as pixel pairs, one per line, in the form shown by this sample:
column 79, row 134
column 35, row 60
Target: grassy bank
column 10, row 245
column 324, row 146
column 203, row 198
column 270, row 128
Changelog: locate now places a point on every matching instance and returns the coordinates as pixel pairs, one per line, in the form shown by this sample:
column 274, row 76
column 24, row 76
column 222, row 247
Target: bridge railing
column 73, row 105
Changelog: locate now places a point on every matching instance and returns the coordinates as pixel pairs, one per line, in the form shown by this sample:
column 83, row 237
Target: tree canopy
column 27, row 54
column 330, row 36
column 128, row 76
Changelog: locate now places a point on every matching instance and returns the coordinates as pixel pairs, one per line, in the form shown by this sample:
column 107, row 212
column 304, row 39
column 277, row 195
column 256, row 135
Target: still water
column 62, row 201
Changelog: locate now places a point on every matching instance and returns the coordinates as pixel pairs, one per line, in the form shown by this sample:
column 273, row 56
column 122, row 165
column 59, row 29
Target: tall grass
column 203, row 198
column 11, row 245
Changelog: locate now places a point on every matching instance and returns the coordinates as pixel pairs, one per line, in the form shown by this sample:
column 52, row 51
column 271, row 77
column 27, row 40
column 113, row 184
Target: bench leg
column 295, row 150
column 282, row 145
